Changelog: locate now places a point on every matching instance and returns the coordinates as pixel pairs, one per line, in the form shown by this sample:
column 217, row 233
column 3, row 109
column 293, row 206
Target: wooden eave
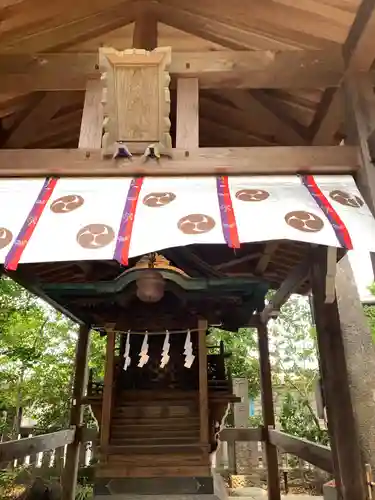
column 270, row 263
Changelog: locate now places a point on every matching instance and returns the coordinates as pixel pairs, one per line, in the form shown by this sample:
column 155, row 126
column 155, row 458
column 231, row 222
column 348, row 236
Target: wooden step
column 186, row 456
column 184, row 422
column 155, row 412
column 137, row 396
column 156, row 423
column 123, row 402
column 147, row 449
column 160, row 441
column 171, row 470
column 147, row 421
column 140, row 431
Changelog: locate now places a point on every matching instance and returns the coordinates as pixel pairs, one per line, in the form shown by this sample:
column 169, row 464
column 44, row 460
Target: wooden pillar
column 70, row 472
column 107, row 391
column 145, row 35
column 348, row 463
column 273, row 480
column 203, row 382
column 187, row 120
column 360, row 358
column 359, row 128
column 90, row 136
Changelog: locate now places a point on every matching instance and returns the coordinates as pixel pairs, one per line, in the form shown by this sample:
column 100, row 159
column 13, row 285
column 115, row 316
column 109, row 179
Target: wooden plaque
column 136, row 99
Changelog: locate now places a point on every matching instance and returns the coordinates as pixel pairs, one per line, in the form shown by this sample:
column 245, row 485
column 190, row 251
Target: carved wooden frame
column 126, row 74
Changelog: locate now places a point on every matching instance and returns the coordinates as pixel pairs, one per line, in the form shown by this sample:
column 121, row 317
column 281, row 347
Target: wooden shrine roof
column 282, row 108
column 270, row 263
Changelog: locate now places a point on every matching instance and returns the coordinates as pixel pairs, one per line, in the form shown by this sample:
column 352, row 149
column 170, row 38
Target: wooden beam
column 105, row 423
column 248, row 435
column 90, row 136
column 69, row 479
column 187, row 120
column 202, row 161
column 358, row 49
column 313, row 453
column 358, row 53
column 296, row 278
column 219, row 69
column 268, row 413
column 203, row 382
column 11, row 450
column 269, row 249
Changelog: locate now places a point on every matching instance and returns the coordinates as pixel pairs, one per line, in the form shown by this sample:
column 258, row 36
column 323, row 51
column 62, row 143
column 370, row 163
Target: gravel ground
column 260, row 494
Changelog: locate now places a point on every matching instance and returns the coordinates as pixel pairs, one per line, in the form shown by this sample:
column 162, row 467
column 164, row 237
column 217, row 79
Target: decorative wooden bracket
column 136, row 102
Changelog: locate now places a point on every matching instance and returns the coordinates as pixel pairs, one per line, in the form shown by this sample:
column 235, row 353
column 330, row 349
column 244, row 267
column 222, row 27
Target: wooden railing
column 55, row 441
column 313, row 453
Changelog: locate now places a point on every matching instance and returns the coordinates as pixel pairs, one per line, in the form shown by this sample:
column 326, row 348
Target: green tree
column 370, row 313
column 296, row 369
column 244, row 360
column 293, row 348
column 297, row 419
column 37, row 351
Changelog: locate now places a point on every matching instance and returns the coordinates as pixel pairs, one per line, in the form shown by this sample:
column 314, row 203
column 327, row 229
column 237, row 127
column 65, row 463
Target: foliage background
column 37, row 351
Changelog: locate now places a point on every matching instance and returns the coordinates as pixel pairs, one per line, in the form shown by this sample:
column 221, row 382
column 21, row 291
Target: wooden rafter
column 30, row 129
column 271, row 23
column 266, row 257
column 239, row 126
column 358, row 55
column 260, row 118
column 66, row 34
column 215, row 31
column 292, row 283
column 280, row 115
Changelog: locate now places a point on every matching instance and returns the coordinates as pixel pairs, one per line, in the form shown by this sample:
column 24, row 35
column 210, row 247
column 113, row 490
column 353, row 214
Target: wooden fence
column 48, row 450
column 242, row 453
column 309, row 452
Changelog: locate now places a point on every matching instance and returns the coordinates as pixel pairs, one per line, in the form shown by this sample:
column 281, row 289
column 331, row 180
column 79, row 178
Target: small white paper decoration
column 165, row 353
column 127, row 359
column 143, row 354
column 188, row 351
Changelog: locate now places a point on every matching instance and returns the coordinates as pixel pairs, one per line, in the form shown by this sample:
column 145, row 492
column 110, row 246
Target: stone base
column 329, row 491
column 209, row 488
column 155, row 497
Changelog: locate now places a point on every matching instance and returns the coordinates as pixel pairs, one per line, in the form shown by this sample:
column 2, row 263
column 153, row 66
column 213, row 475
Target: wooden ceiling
column 228, row 117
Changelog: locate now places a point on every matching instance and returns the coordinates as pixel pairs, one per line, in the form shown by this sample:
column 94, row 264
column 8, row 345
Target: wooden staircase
column 155, row 433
